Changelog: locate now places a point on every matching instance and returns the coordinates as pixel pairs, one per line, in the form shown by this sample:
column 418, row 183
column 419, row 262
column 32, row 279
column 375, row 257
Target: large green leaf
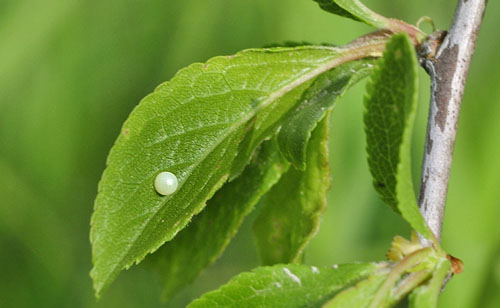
column 290, row 285
column 320, row 97
column 203, row 126
column 182, row 259
column 292, row 208
column 390, row 111
column 353, row 9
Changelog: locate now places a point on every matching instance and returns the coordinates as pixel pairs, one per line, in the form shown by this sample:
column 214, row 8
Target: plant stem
column 399, row 269
column 448, row 71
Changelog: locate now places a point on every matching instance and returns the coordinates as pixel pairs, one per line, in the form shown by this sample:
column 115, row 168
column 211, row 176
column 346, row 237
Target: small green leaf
column 181, row 260
column 390, row 106
column 426, row 296
column 316, row 101
column 360, row 295
column 292, row 208
column 387, row 287
column 290, row 285
column 354, row 9
column 419, row 262
column 203, row 126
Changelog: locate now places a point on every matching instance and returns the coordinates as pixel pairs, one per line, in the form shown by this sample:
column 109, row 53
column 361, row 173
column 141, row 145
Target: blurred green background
column 71, row 71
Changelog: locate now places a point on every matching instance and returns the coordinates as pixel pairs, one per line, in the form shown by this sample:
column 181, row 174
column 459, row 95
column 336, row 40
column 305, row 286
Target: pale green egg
column 166, row 183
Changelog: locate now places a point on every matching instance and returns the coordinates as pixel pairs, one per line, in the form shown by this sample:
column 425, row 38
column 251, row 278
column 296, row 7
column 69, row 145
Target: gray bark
column 448, row 69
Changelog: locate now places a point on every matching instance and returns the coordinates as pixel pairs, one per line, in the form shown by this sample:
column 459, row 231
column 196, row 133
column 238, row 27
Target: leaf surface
column 360, row 295
column 203, row 126
column 390, row 106
column 290, row 285
column 291, row 210
column 354, row 9
column 181, row 260
column 316, row 101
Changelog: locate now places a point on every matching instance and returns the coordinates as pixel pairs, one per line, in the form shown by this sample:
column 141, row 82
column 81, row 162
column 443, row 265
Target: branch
column 448, row 70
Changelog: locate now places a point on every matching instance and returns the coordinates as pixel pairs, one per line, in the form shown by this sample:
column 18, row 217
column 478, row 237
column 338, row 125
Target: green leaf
column 359, row 295
column 426, row 296
column 291, row 210
column 290, row 285
column 319, row 98
column 390, row 106
column 203, row 125
column 181, row 260
column 369, row 285
column 354, row 9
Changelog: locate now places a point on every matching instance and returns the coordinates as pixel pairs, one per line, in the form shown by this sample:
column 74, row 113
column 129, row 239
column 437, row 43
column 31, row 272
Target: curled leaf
column 390, row 106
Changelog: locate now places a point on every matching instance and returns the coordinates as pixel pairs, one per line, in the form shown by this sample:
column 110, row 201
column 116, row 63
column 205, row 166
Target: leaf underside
column 319, row 98
column 204, row 126
column 390, row 107
column 355, row 10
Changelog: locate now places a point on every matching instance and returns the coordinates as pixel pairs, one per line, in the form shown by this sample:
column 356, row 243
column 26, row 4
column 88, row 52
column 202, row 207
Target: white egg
column 166, row 183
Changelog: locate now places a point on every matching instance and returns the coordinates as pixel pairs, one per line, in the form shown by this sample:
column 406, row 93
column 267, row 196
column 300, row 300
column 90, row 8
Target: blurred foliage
column 71, row 71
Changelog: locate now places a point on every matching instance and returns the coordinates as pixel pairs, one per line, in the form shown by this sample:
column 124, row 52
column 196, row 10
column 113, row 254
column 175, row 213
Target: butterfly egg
column 166, row 183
